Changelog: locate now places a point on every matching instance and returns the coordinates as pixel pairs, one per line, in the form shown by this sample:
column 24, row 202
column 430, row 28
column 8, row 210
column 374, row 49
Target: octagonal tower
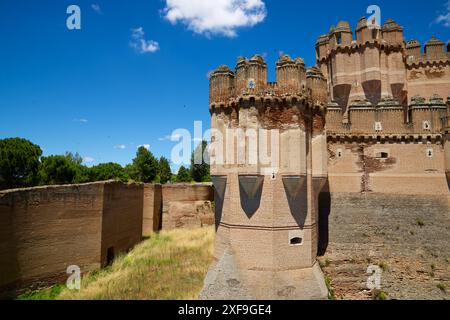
column 268, row 165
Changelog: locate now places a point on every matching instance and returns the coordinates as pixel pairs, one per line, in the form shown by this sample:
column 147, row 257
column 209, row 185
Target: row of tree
column 22, row 165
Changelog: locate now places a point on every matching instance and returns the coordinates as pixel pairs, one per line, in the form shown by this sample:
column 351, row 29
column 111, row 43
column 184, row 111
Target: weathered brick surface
column 407, row 170
column 408, row 235
column 187, row 206
column 122, row 218
column 152, row 220
column 46, row 229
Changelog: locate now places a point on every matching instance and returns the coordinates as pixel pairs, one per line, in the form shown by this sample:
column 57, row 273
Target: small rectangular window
column 382, row 155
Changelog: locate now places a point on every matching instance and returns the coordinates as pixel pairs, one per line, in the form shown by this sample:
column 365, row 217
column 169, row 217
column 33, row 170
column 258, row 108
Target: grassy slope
column 171, row 265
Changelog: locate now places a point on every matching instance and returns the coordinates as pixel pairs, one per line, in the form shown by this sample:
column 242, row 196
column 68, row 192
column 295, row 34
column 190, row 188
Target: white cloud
column 140, row 44
column 215, row 17
column 88, row 160
column 81, row 120
column 444, row 18
column 96, row 8
column 146, row 146
column 174, row 137
column 120, row 147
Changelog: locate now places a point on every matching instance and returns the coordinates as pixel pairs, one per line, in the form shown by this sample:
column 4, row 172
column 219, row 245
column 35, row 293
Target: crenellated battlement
column 425, row 118
column 434, row 53
column 249, row 82
column 340, row 39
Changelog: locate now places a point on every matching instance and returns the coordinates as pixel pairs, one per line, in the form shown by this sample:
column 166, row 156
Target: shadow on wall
column 220, row 185
column 342, row 94
column 250, row 189
column 9, row 239
column 296, row 192
column 324, row 216
column 372, row 90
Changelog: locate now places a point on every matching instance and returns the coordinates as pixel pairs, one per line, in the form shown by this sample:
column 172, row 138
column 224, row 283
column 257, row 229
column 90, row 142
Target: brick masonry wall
column 152, row 209
column 44, row 230
column 407, row 170
column 407, row 235
column 122, row 218
column 187, row 206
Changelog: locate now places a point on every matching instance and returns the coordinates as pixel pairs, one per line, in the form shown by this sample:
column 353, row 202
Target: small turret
column 317, row 84
column 256, row 74
column 221, row 85
column 435, row 49
column 392, row 33
column 363, row 33
column 322, row 47
column 341, row 35
column 413, row 49
column 301, row 71
column 290, row 74
column 241, row 75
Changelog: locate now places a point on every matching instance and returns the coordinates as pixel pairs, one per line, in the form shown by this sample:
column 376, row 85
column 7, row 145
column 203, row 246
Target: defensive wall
column 44, row 230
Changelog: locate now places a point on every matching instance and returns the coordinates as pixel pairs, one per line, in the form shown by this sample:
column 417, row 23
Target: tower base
column 225, row 281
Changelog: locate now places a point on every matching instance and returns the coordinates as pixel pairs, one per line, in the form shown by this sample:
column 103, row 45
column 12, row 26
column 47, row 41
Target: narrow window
column 382, row 155
column 297, row 241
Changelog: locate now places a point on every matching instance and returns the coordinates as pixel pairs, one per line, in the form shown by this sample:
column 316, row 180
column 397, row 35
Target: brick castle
column 371, row 118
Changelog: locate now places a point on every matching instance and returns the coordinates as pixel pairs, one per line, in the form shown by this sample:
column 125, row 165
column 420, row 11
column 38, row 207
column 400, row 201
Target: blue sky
column 137, row 70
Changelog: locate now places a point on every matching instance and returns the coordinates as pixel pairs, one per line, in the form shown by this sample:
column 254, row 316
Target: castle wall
column 428, row 80
column 392, row 120
column 381, row 228
column 187, row 206
column 407, row 168
column 152, row 216
column 362, row 120
column 427, row 114
column 45, row 230
column 334, row 120
column 122, row 219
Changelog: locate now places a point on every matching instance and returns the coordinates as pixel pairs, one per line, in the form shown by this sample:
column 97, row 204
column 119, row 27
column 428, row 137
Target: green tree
column 130, row 171
column 165, row 173
column 200, row 168
column 19, row 163
column 75, row 158
column 183, row 175
column 57, row 170
column 82, row 174
column 108, row 171
column 145, row 166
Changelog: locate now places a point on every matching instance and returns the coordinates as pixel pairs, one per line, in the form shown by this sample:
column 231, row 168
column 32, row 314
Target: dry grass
column 168, row 266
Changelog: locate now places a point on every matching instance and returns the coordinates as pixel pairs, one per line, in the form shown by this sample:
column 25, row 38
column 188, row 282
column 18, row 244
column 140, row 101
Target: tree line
column 22, row 165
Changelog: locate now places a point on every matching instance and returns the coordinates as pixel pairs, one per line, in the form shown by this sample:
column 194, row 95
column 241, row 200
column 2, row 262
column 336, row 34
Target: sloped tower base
column 226, row 282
